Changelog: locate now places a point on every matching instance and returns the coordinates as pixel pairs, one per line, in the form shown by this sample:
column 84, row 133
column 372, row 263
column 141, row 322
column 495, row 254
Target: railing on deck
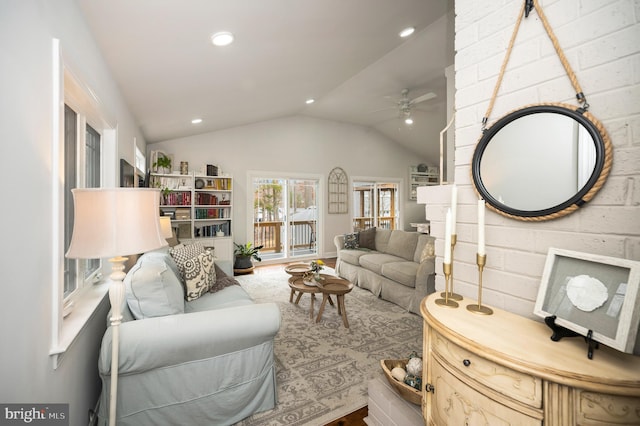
column 271, row 234
column 362, row 223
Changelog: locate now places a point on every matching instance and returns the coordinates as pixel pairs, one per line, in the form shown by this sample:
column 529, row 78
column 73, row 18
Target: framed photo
column 588, row 292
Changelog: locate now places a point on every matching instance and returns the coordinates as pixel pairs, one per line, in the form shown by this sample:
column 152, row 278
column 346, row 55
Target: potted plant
column 244, row 254
column 163, row 163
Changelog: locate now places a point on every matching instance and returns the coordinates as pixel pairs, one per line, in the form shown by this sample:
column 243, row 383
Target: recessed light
column 223, row 38
column 407, row 32
column 196, row 121
column 408, row 121
column 309, row 101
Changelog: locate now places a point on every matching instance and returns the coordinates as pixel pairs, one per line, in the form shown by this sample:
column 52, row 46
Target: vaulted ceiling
column 345, row 54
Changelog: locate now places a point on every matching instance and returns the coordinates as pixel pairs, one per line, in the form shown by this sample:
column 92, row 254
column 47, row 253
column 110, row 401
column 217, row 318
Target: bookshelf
column 429, row 177
column 200, row 207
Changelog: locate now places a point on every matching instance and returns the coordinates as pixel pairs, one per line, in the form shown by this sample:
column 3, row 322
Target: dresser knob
column 466, row 362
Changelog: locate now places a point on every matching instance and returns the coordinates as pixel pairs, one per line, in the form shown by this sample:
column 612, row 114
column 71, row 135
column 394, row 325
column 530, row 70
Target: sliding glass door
column 285, row 216
column 375, row 204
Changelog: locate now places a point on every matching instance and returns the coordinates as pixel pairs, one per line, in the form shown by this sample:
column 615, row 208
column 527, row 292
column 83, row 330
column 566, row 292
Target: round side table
column 337, row 286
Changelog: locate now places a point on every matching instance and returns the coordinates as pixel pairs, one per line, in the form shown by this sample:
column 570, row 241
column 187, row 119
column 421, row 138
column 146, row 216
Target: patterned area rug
column 323, row 368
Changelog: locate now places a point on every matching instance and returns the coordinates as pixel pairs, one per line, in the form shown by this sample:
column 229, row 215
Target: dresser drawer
column 454, row 403
column 518, row 386
column 600, row 409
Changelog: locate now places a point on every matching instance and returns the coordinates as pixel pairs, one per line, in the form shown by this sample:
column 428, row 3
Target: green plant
column 247, row 250
column 163, row 161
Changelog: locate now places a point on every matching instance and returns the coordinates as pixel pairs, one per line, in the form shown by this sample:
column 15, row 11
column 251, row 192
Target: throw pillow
column 182, row 253
column 152, row 289
column 199, row 275
column 428, row 252
column 351, row 241
column 367, row 238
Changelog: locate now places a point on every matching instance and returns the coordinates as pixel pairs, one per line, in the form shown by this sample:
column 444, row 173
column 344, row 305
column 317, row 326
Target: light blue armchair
column 211, row 364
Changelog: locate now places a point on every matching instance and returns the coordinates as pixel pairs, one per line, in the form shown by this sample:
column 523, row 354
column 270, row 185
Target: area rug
column 323, row 368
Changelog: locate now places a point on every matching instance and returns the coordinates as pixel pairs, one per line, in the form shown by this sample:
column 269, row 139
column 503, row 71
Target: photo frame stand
column 559, row 332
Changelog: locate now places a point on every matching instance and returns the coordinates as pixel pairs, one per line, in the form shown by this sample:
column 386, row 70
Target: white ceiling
column 344, row 53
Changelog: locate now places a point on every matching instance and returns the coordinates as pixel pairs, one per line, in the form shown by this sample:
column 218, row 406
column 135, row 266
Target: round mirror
column 541, row 162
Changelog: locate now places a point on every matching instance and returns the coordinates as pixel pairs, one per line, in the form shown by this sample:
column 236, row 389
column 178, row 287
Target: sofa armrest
column 425, row 277
column 338, row 240
column 165, row 341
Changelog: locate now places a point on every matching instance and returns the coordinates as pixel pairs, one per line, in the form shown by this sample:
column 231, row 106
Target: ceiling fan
column 405, row 104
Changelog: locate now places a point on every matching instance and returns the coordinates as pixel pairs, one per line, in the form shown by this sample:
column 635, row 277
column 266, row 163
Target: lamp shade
column 165, row 227
column 111, row 222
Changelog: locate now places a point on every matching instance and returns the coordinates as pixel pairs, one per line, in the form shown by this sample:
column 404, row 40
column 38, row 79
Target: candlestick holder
column 452, row 295
column 481, row 260
column 447, row 301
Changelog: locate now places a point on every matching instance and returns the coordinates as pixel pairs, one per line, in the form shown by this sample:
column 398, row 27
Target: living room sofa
column 396, row 265
column 204, row 361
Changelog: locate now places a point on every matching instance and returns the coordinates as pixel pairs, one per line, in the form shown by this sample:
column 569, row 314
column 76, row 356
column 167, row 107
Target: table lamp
column 165, row 227
column 113, row 223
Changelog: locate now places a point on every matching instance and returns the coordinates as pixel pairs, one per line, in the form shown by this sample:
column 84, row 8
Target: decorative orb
column 414, row 366
column 398, row 373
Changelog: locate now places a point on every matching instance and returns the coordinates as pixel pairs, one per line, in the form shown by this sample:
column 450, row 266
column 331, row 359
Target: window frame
column 67, row 88
column 375, row 181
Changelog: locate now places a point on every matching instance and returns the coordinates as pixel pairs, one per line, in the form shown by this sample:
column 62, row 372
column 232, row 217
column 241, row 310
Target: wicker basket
column 407, row 392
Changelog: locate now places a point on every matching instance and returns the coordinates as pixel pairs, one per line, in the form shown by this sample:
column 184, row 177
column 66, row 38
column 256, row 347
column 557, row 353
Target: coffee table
column 297, row 269
column 332, row 285
column 297, row 285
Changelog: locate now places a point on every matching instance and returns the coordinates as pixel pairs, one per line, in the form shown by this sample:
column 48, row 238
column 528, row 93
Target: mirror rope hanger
column 527, row 5
column 604, row 146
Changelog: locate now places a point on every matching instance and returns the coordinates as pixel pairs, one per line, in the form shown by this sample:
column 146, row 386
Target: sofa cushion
column 367, row 238
column 152, row 289
column 374, row 261
column 351, row 241
column 199, row 275
column 228, row 297
column 401, row 272
column 403, row 244
column 382, row 239
column 352, row 256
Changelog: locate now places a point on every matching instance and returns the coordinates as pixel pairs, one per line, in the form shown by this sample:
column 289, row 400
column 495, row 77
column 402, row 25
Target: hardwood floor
column 357, row 417
column 354, row 419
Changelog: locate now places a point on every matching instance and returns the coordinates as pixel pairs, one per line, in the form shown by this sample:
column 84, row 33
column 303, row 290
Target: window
column 84, row 152
column 82, row 165
column 375, row 204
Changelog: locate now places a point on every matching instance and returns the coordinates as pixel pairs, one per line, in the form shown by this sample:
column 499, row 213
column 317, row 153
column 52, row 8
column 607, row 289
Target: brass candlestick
column 452, row 295
column 447, row 301
column 481, row 260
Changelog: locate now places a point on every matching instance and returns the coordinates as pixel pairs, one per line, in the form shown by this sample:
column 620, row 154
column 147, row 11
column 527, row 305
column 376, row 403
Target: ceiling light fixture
column 196, row 121
column 223, row 38
column 407, row 32
column 309, row 101
column 408, row 121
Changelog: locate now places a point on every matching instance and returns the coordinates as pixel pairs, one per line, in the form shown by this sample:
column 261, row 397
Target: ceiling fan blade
column 423, row 98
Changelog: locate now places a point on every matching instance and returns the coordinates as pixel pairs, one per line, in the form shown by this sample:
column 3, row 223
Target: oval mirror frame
column 603, row 162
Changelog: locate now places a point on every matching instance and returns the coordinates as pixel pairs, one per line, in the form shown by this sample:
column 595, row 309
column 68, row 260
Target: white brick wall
column 601, row 40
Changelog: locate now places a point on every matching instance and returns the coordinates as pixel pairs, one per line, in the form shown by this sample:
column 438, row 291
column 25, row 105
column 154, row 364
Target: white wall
column 302, row 145
column 602, row 43
column 26, row 30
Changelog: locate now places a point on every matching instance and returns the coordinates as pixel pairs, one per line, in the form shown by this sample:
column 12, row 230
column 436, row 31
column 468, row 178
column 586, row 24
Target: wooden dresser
column 503, row 369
